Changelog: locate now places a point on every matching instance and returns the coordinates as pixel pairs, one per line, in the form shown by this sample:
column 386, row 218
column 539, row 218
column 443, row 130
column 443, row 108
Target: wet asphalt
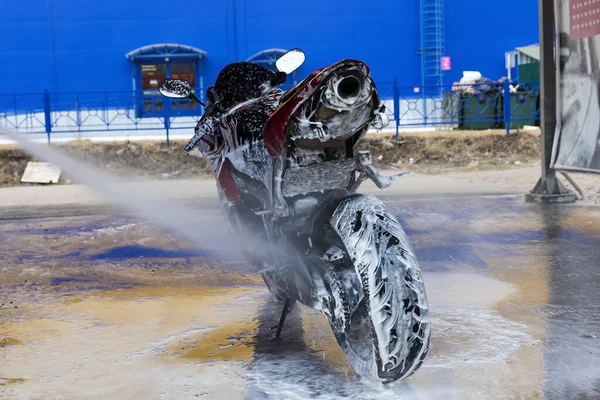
column 99, row 305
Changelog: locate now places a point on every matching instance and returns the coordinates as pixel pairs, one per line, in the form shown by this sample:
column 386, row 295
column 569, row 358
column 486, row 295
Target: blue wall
column 478, row 33
column 80, row 45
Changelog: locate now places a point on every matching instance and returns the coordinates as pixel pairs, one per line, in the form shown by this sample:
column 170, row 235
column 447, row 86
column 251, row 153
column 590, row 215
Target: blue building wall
column 478, row 33
column 80, row 45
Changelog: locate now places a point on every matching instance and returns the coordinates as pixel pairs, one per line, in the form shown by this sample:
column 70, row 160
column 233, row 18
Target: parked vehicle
column 288, row 169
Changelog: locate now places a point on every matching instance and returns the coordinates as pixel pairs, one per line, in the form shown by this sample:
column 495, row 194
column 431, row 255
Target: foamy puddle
column 186, row 342
column 135, row 344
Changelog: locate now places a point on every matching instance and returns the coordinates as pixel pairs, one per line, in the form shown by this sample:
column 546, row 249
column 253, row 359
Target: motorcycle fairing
column 243, row 124
column 240, row 130
column 227, row 184
column 274, row 132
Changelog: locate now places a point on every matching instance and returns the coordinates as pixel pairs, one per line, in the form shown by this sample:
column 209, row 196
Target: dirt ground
column 152, row 160
column 432, row 152
column 523, row 179
column 509, row 161
column 438, row 152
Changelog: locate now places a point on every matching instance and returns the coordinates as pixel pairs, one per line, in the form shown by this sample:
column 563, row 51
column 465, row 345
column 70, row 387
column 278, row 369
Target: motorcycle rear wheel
column 387, row 337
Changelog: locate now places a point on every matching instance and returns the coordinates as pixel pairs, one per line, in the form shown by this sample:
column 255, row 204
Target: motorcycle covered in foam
column 288, row 168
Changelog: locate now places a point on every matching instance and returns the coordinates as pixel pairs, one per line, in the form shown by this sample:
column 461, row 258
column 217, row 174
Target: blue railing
column 480, row 106
column 95, row 112
column 469, row 107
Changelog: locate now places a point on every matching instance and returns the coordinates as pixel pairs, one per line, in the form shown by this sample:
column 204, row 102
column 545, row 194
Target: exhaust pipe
column 348, row 87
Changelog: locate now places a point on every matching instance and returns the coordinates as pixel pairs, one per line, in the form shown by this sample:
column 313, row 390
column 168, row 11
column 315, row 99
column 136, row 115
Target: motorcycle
column 287, row 171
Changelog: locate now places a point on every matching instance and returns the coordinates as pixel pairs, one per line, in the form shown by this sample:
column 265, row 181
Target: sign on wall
column 446, row 63
column 577, row 144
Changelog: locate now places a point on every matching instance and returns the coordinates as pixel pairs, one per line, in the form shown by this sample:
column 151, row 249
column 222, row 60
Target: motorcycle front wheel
column 387, row 334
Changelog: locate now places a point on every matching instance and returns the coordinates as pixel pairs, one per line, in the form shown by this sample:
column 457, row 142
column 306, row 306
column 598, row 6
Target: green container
column 451, row 108
column 475, row 107
column 523, row 107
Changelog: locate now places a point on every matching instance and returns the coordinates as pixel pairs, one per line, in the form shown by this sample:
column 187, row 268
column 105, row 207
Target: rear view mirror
column 290, row 61
column 175, row 88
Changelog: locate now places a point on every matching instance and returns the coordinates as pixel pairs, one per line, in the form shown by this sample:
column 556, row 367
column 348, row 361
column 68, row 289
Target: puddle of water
column 84, row 349
column 134, row 251
column 73, row 300
column 584, row 220
column 5, row 342
column 10, row 381
column 319, row 338
column 234, row 342
column 474, row 352
column 184, row 341
column 463, row 289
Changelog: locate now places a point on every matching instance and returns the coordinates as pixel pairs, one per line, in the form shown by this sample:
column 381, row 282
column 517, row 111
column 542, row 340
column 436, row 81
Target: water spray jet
column 198, row 230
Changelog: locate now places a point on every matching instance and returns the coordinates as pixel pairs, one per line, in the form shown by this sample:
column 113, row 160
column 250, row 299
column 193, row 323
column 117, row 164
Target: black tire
column 388, row 333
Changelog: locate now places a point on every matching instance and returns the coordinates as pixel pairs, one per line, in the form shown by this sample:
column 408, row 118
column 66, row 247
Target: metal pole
column 507, row 105
column 548, row 85
column 47, row 115
column 397, row 107
column 168, row 120
column 548, row 189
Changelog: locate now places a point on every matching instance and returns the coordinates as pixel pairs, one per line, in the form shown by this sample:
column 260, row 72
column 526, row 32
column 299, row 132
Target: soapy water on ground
column 179, row 343
column 172, row 341
column 506, row 283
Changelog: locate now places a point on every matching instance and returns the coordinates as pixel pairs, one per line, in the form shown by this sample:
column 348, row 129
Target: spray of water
column 201, row 229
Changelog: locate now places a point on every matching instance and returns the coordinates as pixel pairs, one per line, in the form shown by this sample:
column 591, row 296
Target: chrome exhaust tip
column 347, row 90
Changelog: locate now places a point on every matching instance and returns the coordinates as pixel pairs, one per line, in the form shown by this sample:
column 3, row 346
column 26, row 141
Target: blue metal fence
column 468, row 107
column 92, row 112
column 481, row 106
